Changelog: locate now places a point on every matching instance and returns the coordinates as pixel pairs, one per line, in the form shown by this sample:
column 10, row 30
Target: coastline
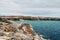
column 29, row 18
column 12, row 31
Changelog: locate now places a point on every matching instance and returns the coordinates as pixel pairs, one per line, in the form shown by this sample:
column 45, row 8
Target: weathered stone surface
column 9, row 30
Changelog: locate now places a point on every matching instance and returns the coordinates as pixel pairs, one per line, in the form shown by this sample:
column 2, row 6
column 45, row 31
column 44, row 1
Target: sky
column 45, row 8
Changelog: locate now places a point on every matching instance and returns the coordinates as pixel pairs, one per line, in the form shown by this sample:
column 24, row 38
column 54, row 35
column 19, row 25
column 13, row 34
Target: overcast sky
column 49, row 8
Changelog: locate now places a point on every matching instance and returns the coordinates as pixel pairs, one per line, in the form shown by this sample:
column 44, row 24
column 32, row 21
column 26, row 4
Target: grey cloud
column 33, row 7
column 38, row 3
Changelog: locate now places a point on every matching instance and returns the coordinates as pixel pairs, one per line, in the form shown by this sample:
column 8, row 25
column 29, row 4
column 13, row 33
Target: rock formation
column 10, row 30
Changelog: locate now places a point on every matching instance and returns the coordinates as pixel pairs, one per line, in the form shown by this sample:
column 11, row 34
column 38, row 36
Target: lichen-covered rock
column 10, row 30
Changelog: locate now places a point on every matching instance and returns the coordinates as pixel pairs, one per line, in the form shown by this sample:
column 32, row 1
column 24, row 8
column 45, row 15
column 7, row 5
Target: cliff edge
column 10, row 30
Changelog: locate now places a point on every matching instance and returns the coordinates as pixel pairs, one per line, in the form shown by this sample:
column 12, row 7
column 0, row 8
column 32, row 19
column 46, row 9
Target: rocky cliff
column 10, row 30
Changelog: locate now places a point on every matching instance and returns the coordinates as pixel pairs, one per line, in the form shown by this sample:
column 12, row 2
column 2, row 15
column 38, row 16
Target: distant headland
column 29, row 18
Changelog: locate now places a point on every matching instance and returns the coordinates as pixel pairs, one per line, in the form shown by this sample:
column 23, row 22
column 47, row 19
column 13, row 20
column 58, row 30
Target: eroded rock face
column 9, row 30
column 27, row 29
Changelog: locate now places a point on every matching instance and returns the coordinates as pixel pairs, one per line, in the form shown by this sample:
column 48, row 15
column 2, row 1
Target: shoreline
column 29, row 18
column 12, row 31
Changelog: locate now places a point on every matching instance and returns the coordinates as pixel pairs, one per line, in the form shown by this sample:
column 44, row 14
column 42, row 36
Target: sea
column 48, row 29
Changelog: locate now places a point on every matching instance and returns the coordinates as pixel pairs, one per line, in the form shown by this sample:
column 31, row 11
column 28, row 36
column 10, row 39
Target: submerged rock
column 10, row 30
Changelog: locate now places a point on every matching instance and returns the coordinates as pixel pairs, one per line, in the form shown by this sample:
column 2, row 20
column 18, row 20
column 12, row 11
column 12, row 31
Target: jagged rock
column 2, row 34
column 9, row 30
column 27, row 29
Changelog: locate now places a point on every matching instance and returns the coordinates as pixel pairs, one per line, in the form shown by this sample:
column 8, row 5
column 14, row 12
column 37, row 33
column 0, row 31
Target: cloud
column 38, row 3
column 30, row 7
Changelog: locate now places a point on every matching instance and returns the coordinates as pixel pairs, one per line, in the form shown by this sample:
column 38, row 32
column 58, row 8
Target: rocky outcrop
column 9, row 30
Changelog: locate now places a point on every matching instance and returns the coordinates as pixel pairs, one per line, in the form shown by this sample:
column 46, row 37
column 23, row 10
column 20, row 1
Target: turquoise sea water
column 49, row 29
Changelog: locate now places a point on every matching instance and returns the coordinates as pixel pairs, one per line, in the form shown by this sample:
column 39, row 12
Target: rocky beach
column 9, row 30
